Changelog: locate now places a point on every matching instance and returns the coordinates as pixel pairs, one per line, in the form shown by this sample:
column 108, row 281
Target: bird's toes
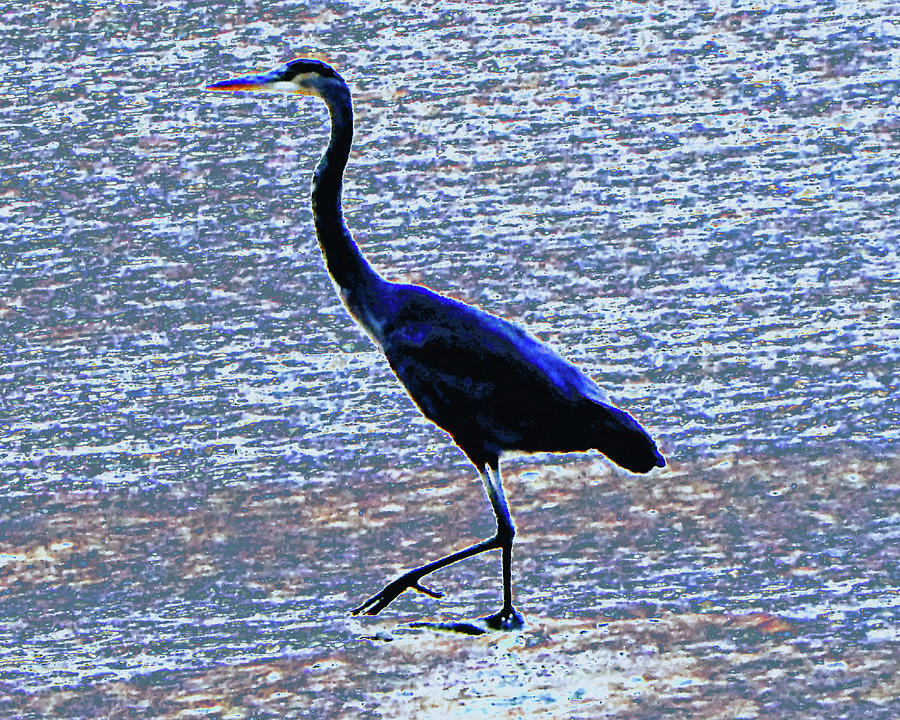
column 372, row 606
column 506, row 619
column 427, row 591
column 360, row 609
column 391, row 592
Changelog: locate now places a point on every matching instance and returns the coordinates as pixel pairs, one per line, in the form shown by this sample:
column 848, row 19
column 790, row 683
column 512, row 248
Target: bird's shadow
column 460, row 628
column 472, row 629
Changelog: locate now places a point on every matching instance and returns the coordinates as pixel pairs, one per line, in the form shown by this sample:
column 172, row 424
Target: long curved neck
column 343, row 258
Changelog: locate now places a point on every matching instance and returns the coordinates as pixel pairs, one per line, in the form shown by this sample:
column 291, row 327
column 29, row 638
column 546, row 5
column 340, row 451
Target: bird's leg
column 507, row 618
column 410, row 579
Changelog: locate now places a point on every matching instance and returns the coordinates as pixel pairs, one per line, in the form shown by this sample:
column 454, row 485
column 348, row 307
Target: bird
column 486, row 381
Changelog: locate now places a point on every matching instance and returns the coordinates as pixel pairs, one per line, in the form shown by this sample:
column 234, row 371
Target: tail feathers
column 622, row 439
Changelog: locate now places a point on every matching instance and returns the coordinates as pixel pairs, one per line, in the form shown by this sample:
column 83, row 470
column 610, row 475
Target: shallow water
column 205, row 463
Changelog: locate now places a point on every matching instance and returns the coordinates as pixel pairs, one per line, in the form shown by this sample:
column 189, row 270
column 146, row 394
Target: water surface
column 205, row 464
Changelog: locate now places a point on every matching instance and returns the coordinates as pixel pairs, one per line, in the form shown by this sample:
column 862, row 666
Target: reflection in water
column 205, row 465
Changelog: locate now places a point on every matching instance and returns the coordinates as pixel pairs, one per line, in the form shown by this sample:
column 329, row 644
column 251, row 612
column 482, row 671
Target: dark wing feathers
column 487, row 381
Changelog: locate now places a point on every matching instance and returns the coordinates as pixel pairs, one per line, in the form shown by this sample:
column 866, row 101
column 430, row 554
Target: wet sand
column 745, row 588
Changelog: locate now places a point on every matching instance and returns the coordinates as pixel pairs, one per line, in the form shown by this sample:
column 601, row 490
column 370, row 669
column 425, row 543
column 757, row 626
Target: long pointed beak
column 249, row 83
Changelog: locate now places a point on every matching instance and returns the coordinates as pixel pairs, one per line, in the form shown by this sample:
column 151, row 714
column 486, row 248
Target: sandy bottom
column 748, row 588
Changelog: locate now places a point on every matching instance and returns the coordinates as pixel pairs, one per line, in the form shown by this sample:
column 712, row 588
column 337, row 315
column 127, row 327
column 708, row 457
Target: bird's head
column 304, row 77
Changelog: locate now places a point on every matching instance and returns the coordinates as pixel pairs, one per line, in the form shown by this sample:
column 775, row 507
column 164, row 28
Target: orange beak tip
column 232, row 86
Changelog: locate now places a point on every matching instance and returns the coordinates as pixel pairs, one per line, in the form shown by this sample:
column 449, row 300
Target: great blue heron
column 484, row 380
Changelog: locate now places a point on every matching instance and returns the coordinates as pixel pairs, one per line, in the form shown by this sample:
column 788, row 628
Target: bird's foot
column 507, row 619
column 379, row 601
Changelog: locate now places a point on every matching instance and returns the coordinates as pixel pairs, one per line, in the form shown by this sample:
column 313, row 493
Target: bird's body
column 494, row 387
column 486, row 381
